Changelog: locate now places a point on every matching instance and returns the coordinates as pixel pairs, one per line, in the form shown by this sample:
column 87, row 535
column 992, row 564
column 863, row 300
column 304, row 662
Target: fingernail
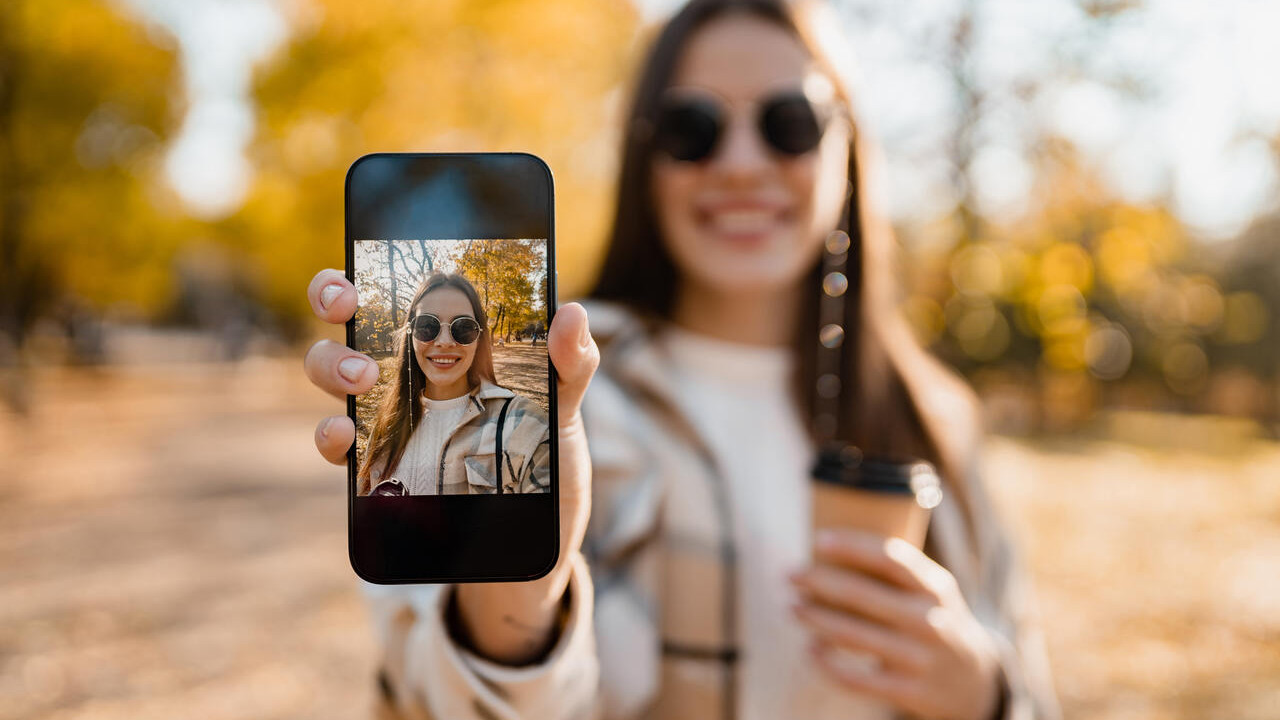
column 328, row 294
column 584, row 335
column 352, row 368
column 324, row 427
column 898, row 549
column 825, row 540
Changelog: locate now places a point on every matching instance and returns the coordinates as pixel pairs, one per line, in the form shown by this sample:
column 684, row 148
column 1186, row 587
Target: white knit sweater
column 739, row 397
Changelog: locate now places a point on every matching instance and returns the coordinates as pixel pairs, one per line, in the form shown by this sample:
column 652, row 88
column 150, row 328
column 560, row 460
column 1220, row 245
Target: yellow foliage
column 1066, row 263
column 372, row 76
column 1124, row 259
column 1245, row 318
column 89, row 109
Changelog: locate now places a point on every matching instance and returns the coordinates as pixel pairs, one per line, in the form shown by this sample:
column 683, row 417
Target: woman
column 436, row 427
column 694, row 593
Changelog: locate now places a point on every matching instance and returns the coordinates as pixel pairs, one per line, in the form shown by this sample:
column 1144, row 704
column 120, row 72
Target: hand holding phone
column 454, row 472
column 343, row 372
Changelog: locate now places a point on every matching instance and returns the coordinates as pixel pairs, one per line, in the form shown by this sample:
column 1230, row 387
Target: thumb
column 575, row 357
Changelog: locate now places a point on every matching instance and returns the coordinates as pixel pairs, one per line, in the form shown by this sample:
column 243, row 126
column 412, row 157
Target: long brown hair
column 400, row 411
column 899, row 402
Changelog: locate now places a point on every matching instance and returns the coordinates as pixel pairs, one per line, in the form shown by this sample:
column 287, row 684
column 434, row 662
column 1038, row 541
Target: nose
column 445, row 338
column 742, row 154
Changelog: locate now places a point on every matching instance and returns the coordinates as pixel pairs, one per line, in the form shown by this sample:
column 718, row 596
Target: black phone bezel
column 489, row 538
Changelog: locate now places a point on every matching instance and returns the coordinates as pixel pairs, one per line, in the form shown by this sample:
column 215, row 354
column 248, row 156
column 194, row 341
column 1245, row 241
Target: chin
column 446, row 380
column 740, row 273
column 748, row 281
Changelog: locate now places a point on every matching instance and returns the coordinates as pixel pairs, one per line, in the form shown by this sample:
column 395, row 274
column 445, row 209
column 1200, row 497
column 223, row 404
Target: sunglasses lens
column 791, row 125
column 464, row 330
column 426, row 328
column 687, row 130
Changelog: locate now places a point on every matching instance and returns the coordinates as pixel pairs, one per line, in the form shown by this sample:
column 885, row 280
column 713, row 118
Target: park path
column 523, row 369
column 171, row 546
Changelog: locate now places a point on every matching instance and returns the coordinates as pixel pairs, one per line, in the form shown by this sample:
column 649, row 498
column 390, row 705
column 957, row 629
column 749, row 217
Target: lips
column 444, row 362
column 742, row 222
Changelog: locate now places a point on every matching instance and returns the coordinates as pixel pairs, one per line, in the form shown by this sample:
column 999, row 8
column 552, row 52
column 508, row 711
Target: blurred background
column 1086, row 196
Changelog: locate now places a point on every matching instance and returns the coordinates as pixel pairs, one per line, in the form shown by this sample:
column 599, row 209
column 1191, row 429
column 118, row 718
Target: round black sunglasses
column 689, row 127
column 426, row 327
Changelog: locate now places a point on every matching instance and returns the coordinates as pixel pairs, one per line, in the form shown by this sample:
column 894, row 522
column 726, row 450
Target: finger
column 854, row 592
column 890, row 558
column 332, row 296
column 900, row 691
column 851, row 632
column 339, row 370
column 575, row 357
column 334, row 436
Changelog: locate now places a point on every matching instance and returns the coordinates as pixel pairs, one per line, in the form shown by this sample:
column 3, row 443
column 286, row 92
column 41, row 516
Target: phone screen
column 453, row 475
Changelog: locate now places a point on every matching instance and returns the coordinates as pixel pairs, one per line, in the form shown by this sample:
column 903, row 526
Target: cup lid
column 882, row 475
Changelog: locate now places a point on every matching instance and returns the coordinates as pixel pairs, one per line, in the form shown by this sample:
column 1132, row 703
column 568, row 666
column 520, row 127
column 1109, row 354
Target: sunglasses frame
column 411, row 329
column 823, row 113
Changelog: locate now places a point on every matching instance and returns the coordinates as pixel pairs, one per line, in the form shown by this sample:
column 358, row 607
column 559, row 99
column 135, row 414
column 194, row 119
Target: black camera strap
column 497, row 443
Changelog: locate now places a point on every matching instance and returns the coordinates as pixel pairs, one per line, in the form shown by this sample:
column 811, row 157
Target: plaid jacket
column 651, row 630
column 468, row 464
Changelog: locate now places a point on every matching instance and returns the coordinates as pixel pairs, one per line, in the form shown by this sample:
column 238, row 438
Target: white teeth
column 742, row 221
column 444, row 361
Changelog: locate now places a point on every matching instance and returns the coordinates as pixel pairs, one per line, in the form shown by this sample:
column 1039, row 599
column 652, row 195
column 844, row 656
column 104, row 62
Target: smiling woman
column 443, row 424
column 746, row 331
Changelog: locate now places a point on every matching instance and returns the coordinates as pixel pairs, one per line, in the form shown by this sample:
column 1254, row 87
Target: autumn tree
column 358, row 77
column 375, row 329
column 85, row 103
column 506, row 275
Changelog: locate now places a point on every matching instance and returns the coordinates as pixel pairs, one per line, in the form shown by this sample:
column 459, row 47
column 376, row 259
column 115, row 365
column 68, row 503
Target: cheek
column 672, row 188
column 820, row 185
column 828, row 181
column 800, row 176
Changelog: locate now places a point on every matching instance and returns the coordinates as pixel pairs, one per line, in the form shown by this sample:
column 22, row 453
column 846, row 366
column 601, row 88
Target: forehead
column 739, row 56
column 445, row 303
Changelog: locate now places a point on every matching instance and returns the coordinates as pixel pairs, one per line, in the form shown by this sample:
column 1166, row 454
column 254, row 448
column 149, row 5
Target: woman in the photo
column 436, row 428
column 690, row 583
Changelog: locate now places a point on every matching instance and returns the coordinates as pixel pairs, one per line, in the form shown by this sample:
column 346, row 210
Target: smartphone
column 453, row 476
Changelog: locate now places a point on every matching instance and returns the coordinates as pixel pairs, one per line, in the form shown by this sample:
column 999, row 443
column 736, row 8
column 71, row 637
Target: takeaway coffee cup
column 885, row 496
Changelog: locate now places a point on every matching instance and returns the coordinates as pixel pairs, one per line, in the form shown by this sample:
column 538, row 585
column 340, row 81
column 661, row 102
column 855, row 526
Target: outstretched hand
column 530, row 607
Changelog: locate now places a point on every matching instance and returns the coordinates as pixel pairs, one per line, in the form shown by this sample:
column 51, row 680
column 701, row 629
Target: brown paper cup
column 891, row 499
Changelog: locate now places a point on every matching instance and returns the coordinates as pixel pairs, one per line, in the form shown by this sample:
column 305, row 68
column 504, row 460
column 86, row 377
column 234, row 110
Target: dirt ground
column 523, row 369
column 171, row 546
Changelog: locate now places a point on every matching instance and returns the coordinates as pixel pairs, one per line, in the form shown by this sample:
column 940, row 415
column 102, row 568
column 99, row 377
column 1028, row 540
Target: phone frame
column 411, row 517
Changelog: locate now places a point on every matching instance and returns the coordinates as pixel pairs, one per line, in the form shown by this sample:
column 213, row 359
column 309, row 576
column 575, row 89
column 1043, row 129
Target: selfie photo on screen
column 458, row 329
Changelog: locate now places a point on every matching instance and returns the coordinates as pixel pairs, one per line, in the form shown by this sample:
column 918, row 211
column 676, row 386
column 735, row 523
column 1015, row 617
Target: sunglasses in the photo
column 689, row 128
column 426, row 327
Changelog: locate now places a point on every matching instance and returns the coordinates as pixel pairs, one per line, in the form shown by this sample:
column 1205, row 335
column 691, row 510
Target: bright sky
column 219, row 41
column 1197, row 135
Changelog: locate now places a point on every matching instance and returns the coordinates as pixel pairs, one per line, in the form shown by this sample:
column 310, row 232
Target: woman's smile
column 742, row 222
